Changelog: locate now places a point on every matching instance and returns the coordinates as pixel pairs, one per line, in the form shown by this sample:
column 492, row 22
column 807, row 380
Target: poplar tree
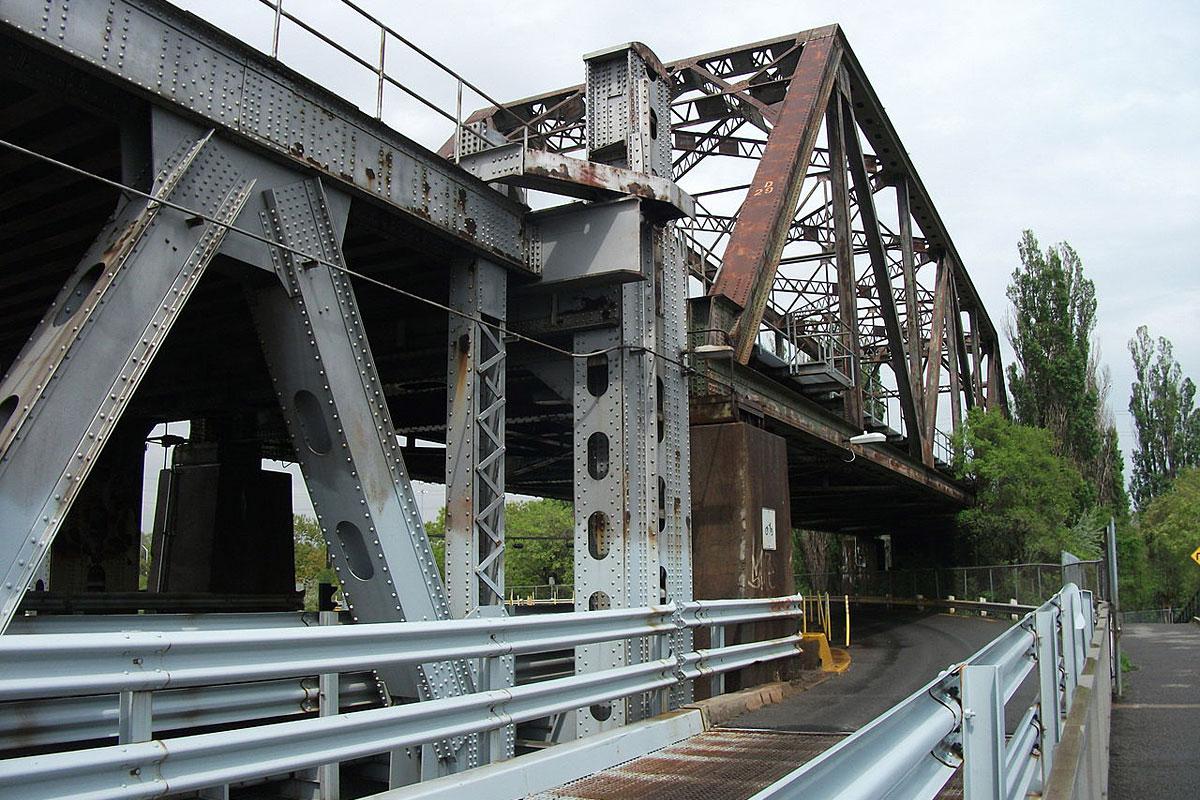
column 1166, row 422
column 1056, row 382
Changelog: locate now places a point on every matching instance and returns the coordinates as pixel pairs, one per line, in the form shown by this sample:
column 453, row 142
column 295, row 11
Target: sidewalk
column 1156, row 725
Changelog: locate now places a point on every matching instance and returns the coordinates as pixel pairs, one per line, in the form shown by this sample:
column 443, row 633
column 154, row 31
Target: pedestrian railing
column 336, row 35
column 957, row 720
column 138, row 665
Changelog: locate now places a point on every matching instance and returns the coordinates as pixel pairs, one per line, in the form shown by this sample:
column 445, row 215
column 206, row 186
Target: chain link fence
column 1028, row 584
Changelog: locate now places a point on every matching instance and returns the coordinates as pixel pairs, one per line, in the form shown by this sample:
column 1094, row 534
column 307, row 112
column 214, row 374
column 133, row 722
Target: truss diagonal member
column 883, row 283
column 758, row 113
column 933, row 363
column 73, row 380
column 329, row 391
column 756, row 245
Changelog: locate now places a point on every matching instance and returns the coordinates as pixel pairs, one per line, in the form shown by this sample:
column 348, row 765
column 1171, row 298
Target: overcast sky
column 1077, row 120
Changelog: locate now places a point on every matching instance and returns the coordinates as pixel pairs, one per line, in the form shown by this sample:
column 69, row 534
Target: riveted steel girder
column 331, row 397
column 67, row 390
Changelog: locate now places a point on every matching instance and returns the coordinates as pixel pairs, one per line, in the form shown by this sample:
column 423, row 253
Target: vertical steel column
column 325, row 379
column 475, row 439
column 632, row 499
column 64, row 395
column 674, row 444
column 600, row 532
column 475, row 426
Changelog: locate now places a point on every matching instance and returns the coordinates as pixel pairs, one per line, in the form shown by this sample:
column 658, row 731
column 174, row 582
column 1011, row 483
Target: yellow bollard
column 847, row 597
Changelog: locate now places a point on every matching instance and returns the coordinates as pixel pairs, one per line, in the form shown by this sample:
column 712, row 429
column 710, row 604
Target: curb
column 719, row 710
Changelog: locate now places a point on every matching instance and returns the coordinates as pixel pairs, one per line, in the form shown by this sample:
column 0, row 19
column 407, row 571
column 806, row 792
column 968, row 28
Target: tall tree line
column 1166, row 422
column 1057, row 381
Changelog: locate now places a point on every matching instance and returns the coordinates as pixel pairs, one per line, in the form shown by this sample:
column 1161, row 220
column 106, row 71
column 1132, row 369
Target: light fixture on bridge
column 712, row 350
column 868, row 438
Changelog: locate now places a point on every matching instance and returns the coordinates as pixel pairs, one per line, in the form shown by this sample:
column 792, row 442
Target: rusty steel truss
column 806, row 204
column 194, row 232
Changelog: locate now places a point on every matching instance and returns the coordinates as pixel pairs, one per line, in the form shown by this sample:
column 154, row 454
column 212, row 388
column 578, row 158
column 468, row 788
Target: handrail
column 379, row 68
column 957, row 720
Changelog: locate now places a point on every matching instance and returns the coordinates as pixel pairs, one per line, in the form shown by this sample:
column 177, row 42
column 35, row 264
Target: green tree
column 540, row 536
column 1166, row 423
column 1029, row 500
column 1170, row 528
column 312, row 559
column 1137, row 579
column 539, row 542
column 1056, row 382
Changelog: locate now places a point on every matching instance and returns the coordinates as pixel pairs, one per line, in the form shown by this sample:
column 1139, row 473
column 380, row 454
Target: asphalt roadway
column 893, row 654
column 1155, row 750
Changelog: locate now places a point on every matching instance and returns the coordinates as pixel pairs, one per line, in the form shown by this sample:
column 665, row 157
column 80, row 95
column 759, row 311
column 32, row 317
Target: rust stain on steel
column 723, row 763
column 758, row 237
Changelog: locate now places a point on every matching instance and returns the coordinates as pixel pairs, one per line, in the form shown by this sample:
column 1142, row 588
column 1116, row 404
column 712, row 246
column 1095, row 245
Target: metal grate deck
column 721, row 764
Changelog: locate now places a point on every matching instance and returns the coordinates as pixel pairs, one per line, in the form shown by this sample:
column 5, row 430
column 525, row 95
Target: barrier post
column 328, row 689
column 1049, row 703
column 983, row 733
column 847, row 598
column 134, row 717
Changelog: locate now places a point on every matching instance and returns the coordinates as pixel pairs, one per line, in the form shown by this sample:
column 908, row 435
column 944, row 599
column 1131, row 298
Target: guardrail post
column 134, row 717
column 1049, row 702
column 1087, row 606
column 496, row 672
column 329, row 687
column 983, row 733
column 1067, row 644
column 717, row 639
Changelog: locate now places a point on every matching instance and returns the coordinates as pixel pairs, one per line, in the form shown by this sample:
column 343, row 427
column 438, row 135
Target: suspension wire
column 311, row 258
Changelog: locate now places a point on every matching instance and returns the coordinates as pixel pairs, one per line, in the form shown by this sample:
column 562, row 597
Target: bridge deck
column 894, row 654
column 723, row 763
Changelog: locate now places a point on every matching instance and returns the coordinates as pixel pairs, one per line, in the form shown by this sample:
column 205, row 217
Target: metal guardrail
column 957, row 720
column 135, row 663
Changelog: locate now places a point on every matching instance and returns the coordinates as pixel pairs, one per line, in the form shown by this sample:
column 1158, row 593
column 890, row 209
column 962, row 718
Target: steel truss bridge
column 195, row 231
